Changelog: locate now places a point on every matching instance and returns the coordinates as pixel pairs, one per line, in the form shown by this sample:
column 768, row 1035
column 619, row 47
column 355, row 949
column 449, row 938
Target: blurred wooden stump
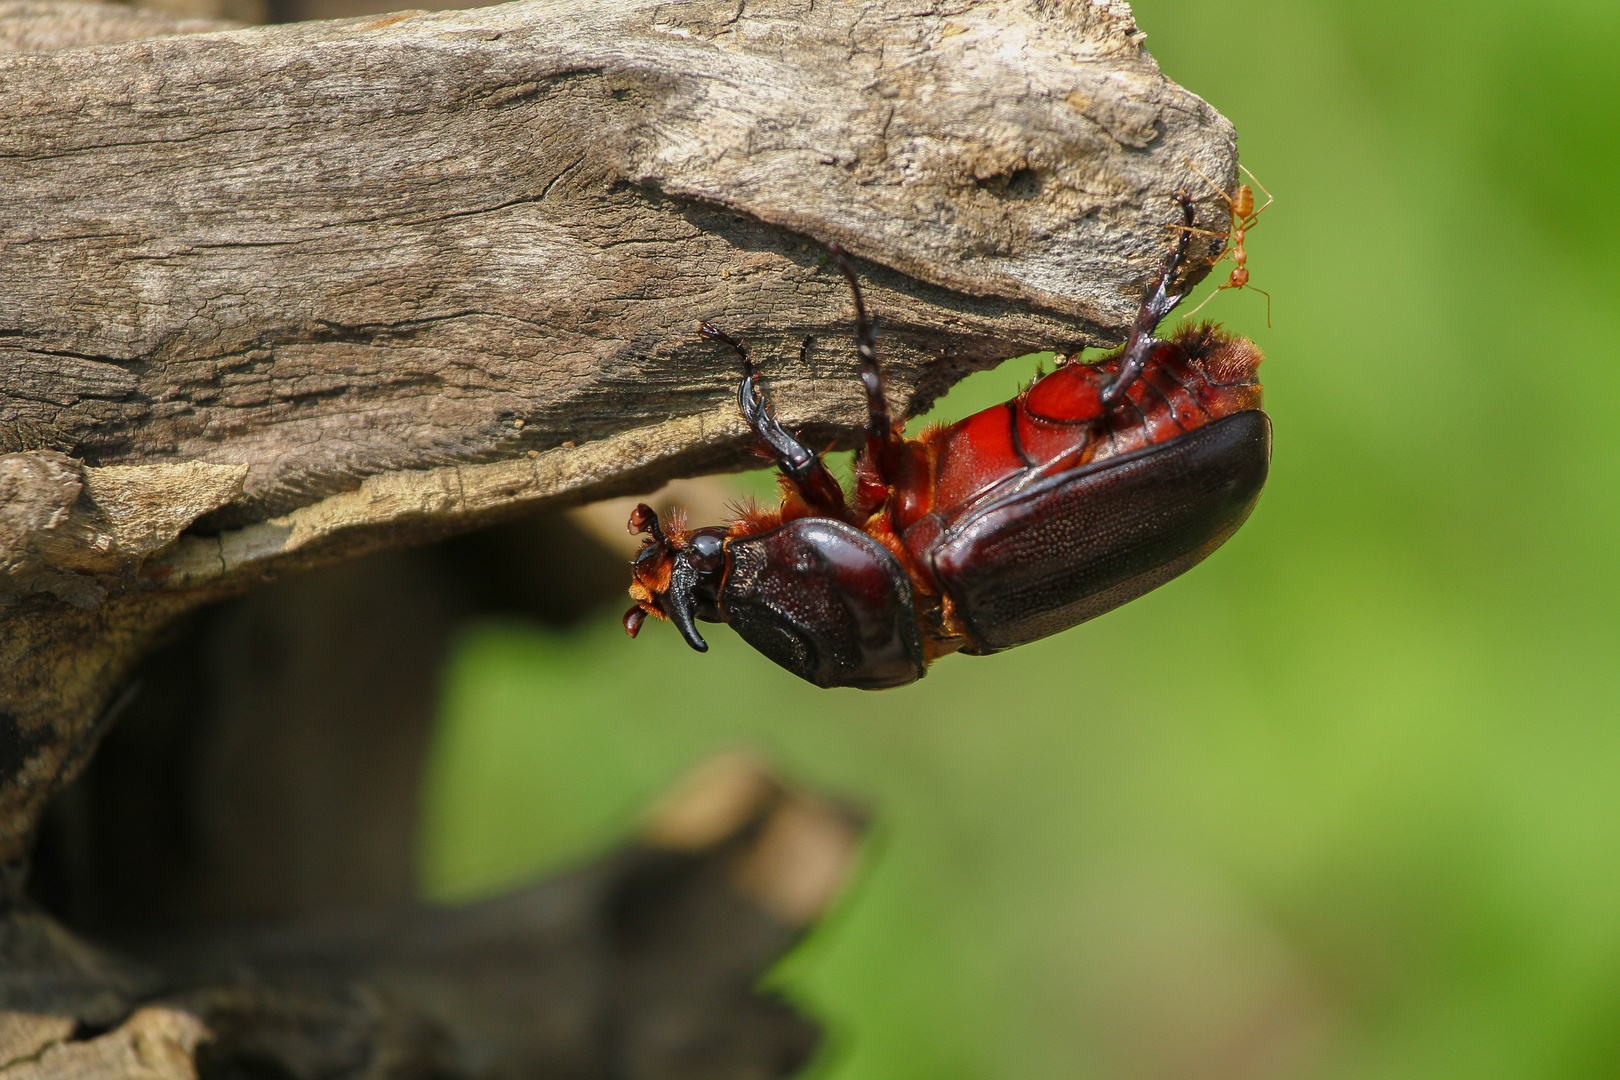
column 644, row 965
column 329, row 322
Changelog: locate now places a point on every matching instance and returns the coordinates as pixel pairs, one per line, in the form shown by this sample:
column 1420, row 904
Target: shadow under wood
column 644, row 965
column 266, row 774
column 269, row 763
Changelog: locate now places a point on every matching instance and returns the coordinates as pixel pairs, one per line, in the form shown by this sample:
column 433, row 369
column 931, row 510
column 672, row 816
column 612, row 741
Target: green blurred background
column 1342, row 802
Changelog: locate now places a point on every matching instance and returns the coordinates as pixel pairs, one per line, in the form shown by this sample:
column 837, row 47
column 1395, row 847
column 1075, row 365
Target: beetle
column 1097, row 483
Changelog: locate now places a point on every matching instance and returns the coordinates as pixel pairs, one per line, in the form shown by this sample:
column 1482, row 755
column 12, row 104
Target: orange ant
column 1244, row 217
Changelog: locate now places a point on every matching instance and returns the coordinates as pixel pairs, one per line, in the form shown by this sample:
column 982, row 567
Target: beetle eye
column 705, row 551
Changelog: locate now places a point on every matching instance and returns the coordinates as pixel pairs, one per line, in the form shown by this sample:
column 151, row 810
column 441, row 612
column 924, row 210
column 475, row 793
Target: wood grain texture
column 332, row 250
column 411, row 274
column 46, row 25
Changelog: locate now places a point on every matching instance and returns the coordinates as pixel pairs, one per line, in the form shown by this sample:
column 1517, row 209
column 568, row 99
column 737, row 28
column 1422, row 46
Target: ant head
column 676, row 575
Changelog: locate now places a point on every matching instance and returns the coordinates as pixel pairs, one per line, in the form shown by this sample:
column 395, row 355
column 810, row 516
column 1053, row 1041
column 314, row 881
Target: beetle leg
column 1155, row 306
column 794, row 460
column 878, row 425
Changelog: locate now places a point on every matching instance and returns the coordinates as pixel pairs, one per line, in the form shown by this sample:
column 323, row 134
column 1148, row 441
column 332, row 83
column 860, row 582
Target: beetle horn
column 677, row 603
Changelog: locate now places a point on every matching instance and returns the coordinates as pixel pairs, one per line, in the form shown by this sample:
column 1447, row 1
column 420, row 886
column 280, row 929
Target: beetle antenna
column 643, row 519
column 1155, row 306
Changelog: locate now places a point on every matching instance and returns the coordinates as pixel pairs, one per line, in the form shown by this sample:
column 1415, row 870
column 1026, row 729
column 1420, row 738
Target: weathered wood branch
column 47, row 25
column 641, row 966
column 364, row 283
column 277, row 297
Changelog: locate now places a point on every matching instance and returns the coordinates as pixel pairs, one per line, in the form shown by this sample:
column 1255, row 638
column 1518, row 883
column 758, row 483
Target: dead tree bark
column 276, row 297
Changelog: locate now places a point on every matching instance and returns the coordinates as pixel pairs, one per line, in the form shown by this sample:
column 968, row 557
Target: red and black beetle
column 1096, row 484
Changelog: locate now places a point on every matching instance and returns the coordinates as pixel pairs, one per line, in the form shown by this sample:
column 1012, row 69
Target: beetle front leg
column 801, row 465
column 1158, row 303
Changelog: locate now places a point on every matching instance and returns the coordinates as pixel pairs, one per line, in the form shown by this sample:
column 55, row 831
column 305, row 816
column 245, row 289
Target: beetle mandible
column 1094, row 485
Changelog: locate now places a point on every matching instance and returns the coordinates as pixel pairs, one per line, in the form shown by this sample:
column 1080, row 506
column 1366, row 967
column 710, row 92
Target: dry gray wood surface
column 276, row 296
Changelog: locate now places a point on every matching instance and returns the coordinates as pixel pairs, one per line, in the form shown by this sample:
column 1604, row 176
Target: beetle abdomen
column 1083, row 542
column 827, row 602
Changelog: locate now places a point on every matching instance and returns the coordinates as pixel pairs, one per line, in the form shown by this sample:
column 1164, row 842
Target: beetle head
column 676, row 575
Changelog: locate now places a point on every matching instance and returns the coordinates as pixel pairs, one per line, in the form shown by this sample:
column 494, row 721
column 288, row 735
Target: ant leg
column 1222, row 249
column 1200, row 232
column 1265, row 294
column 1210, row 297
column 1213, row 186
column 879, row 428
column 803, row 466
column 1228, row 285
column 1239, row 224
column 1219, row 251
column 1155, row 306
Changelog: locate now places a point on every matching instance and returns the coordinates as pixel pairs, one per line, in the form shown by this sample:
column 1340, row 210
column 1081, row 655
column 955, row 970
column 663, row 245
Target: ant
column 1244, row 217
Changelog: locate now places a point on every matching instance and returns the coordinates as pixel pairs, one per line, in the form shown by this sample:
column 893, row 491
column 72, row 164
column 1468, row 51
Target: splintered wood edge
column 401, row 507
